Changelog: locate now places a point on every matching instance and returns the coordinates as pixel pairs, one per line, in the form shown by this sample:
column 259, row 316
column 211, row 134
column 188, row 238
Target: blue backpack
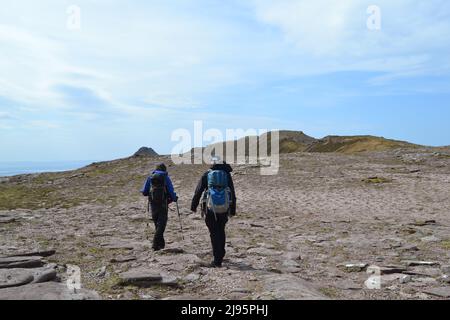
column 218, row 197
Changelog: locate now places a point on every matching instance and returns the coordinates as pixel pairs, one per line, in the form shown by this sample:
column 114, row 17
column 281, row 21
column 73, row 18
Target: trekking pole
column 181, row 224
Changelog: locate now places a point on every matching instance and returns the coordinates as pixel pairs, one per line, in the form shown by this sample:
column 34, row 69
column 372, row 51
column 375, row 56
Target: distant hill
column 292, row 141
column 355, row 144
column 298, row 141
column 145, row 152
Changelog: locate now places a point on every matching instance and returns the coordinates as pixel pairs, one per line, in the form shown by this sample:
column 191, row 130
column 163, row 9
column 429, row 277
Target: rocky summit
column 330, row 225
column 145, row 152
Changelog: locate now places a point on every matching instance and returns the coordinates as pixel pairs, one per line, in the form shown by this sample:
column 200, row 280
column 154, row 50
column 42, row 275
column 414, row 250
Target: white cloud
column 163, row 56
column 332, row 35
column 42, row 124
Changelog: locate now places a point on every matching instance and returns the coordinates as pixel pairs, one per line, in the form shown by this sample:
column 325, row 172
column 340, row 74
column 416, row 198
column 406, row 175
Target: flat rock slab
column 353, row 267
column 413, row 263
column 348, row 285
column 122, row 259
column 18, row 277
column 7, row 220
column 38, row 253
column 46, row 291
column 125, row 245
column 293, row 256
column 21, row 262
column 264, row 252
column 443, row 292
column 14, row 277
column 171, row 251
column 289, row 287
column 44, row 275
column 384, row 270
column 430, row 239
column 140, row 277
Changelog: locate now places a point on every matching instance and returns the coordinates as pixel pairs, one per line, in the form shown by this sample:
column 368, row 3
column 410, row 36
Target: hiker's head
column 216, row 160
column 161, row 167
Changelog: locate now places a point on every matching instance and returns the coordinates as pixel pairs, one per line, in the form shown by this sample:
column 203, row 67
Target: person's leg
column 221, row 239
column 159, row 214
column 217, row 234
column 211, row 223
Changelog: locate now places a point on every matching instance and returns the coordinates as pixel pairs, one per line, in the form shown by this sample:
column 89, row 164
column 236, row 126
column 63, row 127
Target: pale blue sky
column 137, row 70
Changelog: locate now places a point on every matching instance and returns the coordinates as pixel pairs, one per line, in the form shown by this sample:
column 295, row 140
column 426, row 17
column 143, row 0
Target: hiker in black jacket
column 215, row 221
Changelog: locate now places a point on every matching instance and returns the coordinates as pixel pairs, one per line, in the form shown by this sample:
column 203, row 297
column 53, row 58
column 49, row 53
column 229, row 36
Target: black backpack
column 158, row 190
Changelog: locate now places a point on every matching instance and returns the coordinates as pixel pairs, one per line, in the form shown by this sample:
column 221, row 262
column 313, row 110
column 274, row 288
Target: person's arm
column 173, row 195
column 201, row 186
column 146, row 188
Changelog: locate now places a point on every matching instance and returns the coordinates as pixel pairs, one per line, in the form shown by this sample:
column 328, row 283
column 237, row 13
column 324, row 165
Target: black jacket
column 203, row 185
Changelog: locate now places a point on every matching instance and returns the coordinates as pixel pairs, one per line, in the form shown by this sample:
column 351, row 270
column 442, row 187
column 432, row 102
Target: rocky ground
column 323, row 228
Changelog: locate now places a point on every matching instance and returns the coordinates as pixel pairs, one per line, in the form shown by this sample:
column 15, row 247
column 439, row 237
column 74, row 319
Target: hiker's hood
column 222, row 166
column 160, row 172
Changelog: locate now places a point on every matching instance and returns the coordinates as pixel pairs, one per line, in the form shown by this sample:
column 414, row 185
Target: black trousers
column 217, row 234
column 159, row 216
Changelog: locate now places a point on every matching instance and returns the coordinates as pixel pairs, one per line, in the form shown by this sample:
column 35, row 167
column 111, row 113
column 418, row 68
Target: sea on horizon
column 12, row 168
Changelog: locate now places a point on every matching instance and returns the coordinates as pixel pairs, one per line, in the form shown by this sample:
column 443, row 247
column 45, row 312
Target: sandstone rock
column 293, row 256
column 169, row 281
column 443, row 292
column 192, row 277
column 255, row 225
column 264, row 252
column 348, row 285
column 171, row 251
column 291, row 270
column 140, row 277
column 119, row 244
column 100, row 272
column 425, row 280
column 445, row 269
column 122, row 259
column 409, row 247
column 290, row 263
column 14, row 277
column 39, row 253
column 422, row 223
column 414, row 263
column 241, row 290
column 21, row 262
column 405, row 279
column 392, row 277
column 7, row 220
column 46, row 291
column 430, row 239
column 289, row 287
column 383, row 270
column 445, row 279
column 44, row 275
column 353, row 267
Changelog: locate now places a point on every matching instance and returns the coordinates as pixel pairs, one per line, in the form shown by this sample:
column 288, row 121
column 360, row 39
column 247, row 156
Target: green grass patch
column 329, row 292
column 445, row 244
column 18, row 196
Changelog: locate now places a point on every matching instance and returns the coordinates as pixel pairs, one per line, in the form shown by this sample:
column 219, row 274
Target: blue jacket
column 148, row 183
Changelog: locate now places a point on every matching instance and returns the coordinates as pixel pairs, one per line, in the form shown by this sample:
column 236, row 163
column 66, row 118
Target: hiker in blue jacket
column 159, row 189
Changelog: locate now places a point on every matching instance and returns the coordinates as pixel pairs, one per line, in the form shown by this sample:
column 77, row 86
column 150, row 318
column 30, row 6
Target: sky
column 96, row 80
